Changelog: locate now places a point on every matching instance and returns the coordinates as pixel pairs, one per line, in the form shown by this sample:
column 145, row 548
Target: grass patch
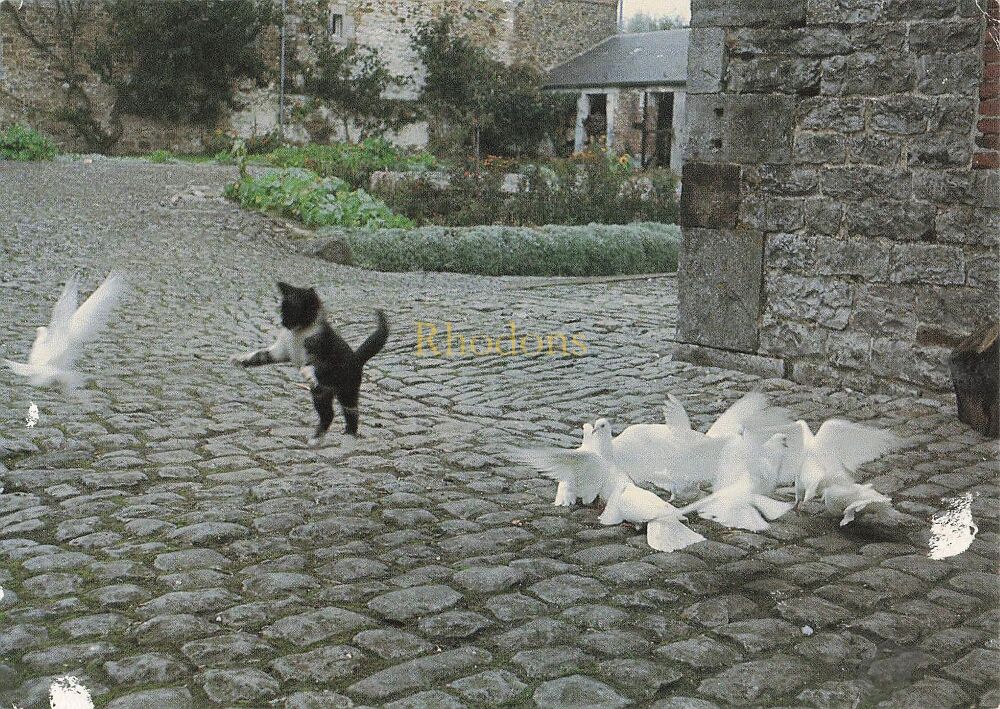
column 25, row 144
column 313, row 200
column 552, row 250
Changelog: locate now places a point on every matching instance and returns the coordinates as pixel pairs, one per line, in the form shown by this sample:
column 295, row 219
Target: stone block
column 927, row 263
column 843, row 11
column 982, row 272
column 957, row 73
column 874, row 148
column 858, row 183
column 822, row 216
column 955, row 310
column 923, row 365
column 881, row 37
column 867, row 74
column 719, row 288
column 904, row 114
column 787, row 338
column 949, row 36
column 901, row 221
column 942, row 149
column 742, row 13
column 909, row 10
column 774, row 74
column 783, row 180
column 858, row 258
column 970, row 225
column 790, row 252
column 956, row 113
column 823, row 300
column 973, row 187
column 706, row 60
column 746, row 42
column 850, row 348
column 819, row 148
column 769, row 367
column 881, row 309
column 742, row 129
column 711, row 195
column 844, row 115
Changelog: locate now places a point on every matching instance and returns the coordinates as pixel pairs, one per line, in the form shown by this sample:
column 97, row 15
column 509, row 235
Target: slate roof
column 640, row 59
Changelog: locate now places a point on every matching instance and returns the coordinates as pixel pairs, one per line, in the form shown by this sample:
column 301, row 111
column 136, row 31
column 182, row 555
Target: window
column 335, row 23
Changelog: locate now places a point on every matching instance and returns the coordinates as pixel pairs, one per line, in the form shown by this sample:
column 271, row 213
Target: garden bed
column 552, row 250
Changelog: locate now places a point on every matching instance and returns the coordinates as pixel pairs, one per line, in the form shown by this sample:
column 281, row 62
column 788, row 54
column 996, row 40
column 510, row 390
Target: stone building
column 538, row 32
column 841, row 198
column 630, row 91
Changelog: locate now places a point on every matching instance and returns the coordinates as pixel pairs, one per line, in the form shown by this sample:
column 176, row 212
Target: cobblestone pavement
column 172, row 542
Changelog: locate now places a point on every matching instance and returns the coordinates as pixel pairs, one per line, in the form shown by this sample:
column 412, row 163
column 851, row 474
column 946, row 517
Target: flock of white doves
column 751, row 450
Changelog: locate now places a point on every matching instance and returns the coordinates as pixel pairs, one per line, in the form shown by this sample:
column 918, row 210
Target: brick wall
column 834, row 227
column 987, row 155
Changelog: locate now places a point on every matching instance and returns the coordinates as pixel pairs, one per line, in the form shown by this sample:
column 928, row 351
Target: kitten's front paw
column 308, row 373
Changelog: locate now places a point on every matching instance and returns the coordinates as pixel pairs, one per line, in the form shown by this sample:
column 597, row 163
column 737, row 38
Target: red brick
column 990, row 142
column 991, row 53
column 986, row 161
column 989, row 126
column 991, row 71
column 989, row 107
column 989, row 89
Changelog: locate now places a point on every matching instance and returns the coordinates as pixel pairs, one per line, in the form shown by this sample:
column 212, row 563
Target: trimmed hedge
column 553, row 250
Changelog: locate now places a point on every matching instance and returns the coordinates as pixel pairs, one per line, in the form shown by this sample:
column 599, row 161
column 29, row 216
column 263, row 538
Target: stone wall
column 540, row 32
column 835, row 229
column 548, row 32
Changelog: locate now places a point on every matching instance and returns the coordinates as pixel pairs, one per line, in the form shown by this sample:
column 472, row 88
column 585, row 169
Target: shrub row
column 553, row 250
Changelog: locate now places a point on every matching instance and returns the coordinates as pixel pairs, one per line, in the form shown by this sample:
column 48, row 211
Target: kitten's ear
column 285, row 288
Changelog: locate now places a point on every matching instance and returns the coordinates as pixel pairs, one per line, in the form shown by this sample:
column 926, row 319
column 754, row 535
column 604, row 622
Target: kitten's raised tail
column 376, row 341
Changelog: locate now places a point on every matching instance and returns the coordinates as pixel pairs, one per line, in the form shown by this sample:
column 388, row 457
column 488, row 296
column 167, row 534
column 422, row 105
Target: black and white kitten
column 332, row 368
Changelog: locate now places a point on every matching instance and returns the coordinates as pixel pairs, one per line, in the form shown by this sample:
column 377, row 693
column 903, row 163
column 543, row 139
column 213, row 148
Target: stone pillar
column 836, row 228
column 612, row 113
column 679, row 138
column 580, row 133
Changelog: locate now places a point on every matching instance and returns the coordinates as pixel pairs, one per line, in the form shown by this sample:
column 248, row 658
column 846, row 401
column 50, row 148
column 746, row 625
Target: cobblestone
column 172, row 541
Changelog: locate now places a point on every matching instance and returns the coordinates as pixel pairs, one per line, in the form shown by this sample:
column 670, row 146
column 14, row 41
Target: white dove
column 58, row 346
column 676, row 458
column 581, row 472
column 627, row 502
column 747, row 474
column 566, row 489
column 829, row 457
column 845, row 497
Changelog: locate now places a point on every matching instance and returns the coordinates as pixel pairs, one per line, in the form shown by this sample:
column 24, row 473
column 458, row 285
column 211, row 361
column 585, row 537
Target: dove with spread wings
column 58, row 346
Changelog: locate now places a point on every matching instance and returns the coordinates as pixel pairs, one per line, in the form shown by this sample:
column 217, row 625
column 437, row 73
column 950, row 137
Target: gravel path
column 169, row 540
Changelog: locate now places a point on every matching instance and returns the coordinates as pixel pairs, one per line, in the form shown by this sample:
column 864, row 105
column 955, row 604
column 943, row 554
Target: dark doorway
column 664, row 129
column 596, row 123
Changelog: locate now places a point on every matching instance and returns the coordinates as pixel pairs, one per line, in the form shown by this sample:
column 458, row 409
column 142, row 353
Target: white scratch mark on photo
column 32, row 418
column 953, row 529
column 68, row 693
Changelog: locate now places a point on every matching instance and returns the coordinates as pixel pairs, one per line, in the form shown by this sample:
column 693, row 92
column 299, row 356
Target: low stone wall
column 836, row 227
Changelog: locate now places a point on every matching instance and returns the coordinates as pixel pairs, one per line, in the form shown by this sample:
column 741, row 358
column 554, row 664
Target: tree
column 351, row 81
column 495, row 108
column 180, row 60
column 642, row 22
column 60, row 31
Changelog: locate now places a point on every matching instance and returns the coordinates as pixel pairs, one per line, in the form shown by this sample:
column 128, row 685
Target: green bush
column 313, row 200
column 160, row 156
column 352, row 162
column 591, row 250
column 582, row 190
column 18, row 142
